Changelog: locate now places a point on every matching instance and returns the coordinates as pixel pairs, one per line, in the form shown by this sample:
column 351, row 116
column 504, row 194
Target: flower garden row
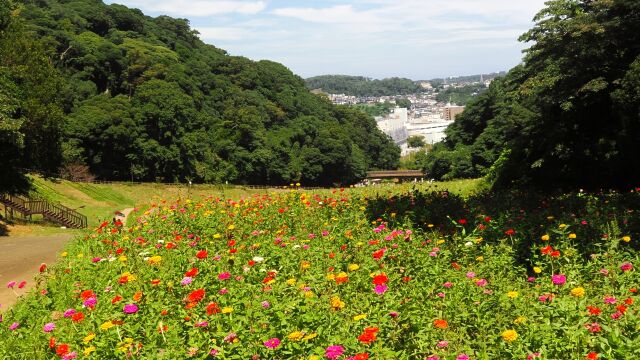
column 299, row 275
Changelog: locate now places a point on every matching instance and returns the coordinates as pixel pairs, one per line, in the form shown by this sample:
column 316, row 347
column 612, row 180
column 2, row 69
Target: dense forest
column 133, row 97
column 568, row 116
column 362, row 86
column 460, row 95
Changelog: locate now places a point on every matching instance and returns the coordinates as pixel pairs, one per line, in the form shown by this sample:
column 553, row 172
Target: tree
column 415, row 141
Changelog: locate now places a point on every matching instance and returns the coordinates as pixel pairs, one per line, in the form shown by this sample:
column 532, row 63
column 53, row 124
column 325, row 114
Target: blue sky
column 418, row 39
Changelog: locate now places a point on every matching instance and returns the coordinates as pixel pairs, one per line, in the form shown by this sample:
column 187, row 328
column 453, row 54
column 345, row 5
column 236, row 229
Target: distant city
column 428, row 114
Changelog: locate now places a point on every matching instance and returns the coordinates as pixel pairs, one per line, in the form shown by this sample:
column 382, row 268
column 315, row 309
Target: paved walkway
column 21, row 256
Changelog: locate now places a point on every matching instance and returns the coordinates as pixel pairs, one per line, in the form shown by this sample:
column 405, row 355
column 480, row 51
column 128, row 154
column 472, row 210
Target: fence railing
column 52, row 211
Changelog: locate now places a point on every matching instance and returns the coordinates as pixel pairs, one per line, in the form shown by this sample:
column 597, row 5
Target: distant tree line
column 460, row 95
column 567, row 117
column 363, row 86
column 140, row 98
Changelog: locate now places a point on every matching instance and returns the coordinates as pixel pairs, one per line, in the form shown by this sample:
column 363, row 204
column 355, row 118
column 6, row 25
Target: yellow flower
column 336, row 303
column 353, row 267
column 562, row 226
column 64, row 254
column 296, row 336
column 291, row 282
column 305, row 264
column 154, row 260
column 217, row 236
column 626, row 238
column 310, row 336
column 512, row 294
column 106, row 326
column 360, row 317
column 227, row 310
column 393, row 215
column 545, row 237
column 480, row 258
column 298, row 184
column 572, row 236
column 550, row 217
column 331, row 277
column 430, row 225
column 122, row 258
column 125, row 345
column 479, row 240
column 537, row 270
column 308, row 294
column 439, row 242
column 89, row 350
column 231, row 227
column 80, row 256
column 509, row 335
column 88, row 338
column 578, row 291
column 519, row 320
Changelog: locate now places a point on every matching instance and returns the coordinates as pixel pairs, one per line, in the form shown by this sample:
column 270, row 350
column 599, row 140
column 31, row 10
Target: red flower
column 380, row 279
column 43, row 267
column 170, row 246
column 196, row 295
column 510, row 232
column 621, row 308
column 361, row 356
column 628, row 301
column 251, row 263
column 191, row 273
column 593, row 310
column 202, row 254
column 116, row 299
column 555, row 253
column 546, row 250
column 378, row 254
column 87, row 294
column 462, row 221
column 77, row 317
column 592, row 355
column 62, row 349
column 455, row 265
column 368, row 335
column 212, row 309
column 52, row 343
column 231, row 243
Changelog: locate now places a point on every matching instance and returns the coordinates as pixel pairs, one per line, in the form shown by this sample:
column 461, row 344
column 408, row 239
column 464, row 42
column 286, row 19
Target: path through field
column 21, row 256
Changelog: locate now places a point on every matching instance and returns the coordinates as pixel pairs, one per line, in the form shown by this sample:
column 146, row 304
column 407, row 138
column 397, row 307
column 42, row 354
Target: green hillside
column 362, row 86
column 131, row 96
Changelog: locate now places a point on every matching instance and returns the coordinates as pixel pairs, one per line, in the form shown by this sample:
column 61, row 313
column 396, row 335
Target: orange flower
column 440, row 324
column 137, row 296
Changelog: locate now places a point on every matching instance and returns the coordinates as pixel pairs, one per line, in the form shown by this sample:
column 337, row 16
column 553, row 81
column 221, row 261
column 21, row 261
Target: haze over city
column 417, row 39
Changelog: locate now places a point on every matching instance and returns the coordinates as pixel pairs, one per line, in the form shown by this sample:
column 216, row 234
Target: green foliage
column 362, row 86
column 569, row 114
column 460, row 95
column 377, row 109
column 145, row 99
column 415, row 141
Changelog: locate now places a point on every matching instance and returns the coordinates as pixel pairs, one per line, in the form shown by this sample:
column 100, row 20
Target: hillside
column 144, row 98
column 362, row 86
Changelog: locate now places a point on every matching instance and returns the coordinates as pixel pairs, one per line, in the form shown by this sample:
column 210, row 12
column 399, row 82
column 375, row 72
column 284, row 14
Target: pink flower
column 559, row 279
column 333, row 352
column 223, row 291
column 69, row 313
column 443, row 344
column 130, row 309
column 604, row 272
column 471, row 275
column 49, row 327
column 610, row 300
column 11, row 284
column 90, row 302
column 481, row 282
column 272, row 343
column 434, row 357
column 626, row 266
column 463, row 357
column 447, row 285
column 380, row 289
column 224, row 276
column 394, row 314
column 534, row 355
column 201, row 324
column 616, row 315
column 14, row 326
column 441, row 295
column 265, row 304
column 186, row 281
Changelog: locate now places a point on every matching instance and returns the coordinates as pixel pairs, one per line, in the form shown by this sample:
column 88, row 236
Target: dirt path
column 20, row 258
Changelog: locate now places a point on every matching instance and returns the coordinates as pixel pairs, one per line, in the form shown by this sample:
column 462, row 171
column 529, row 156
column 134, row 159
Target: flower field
column 326, row 275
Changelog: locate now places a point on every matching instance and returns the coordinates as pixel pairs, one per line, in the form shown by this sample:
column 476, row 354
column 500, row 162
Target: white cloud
column 196, row 8
column 221, row 33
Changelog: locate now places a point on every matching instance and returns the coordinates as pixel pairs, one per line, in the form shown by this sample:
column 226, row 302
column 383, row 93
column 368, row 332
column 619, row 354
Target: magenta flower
column 265, row 304
column 333, row 352
column 447, row 284
column 14, row 326
column 610, row 300
column 482, row 282
column 394, row 314
column 626, row 266
column 130, row 309
column 559, row 279
column 49, row 327
column 11, row 284
column 380, row 289
column 441, row 295
column 69, row 313
column 272, row 343
column 186, row 281
column 90, row 302
column 201, row 324
column 463, row 357
column 224, row 276
column 616, row 315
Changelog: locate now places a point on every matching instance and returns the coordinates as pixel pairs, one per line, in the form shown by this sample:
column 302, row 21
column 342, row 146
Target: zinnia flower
column 380, row 289
column 509, row 335
column 130, row 309
column 333, row 352
column 272, row 343
column 49, row 327
column 559, row 279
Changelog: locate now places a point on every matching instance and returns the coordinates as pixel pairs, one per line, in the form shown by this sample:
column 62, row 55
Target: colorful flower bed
column 299, row 275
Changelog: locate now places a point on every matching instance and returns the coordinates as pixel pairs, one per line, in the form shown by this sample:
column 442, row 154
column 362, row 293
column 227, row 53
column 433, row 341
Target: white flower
column 468, row 244
column 258, row 259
